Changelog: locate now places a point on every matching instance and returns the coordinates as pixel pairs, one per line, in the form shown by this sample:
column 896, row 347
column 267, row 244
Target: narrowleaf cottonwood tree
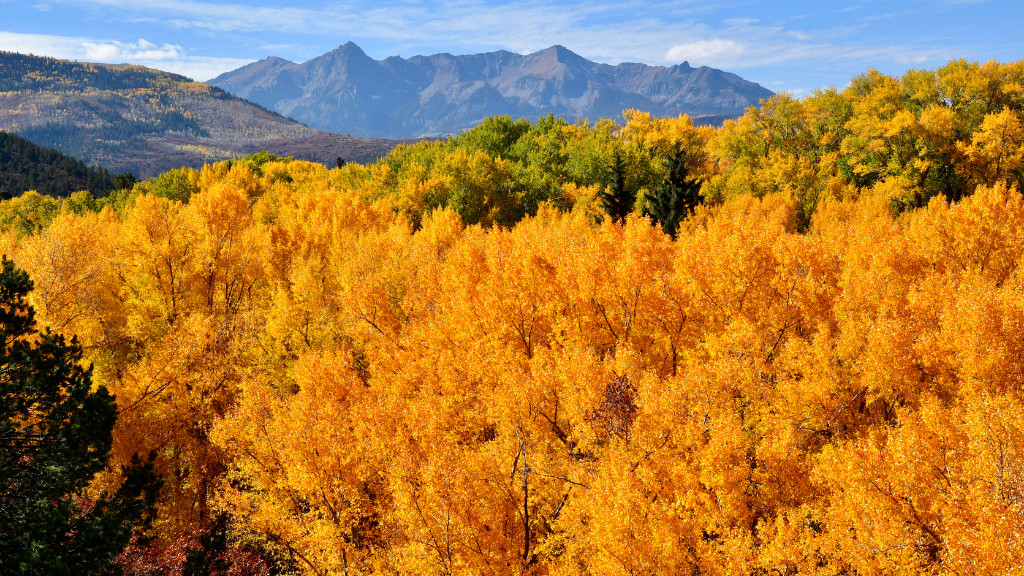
column 55, row 436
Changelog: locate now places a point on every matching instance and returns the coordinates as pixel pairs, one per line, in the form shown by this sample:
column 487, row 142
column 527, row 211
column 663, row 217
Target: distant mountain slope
column 28, row 166
column 134, row 119
column 346, row 91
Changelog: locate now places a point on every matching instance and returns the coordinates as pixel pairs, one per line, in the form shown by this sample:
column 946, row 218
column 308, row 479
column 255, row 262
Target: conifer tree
column 676, row 197
column 617, row 199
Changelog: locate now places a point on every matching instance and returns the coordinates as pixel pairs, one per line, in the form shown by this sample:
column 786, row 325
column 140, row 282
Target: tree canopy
column 456, row 361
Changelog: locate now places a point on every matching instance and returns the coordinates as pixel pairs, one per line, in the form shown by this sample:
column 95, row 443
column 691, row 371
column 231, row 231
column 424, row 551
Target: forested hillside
column 487, row 356
column 143, row 121
column 26, row 166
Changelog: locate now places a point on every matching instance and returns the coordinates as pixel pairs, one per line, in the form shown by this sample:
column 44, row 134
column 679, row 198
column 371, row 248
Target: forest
column 26, row 166
column 792, row 344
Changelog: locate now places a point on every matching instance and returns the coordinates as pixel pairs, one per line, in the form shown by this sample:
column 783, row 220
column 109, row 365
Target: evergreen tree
column 55, row 435
column 677, row 196
column 124, row 181
column 617, row 199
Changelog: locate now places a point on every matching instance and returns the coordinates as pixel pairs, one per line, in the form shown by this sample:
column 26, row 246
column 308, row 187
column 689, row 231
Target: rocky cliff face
column 346, row 91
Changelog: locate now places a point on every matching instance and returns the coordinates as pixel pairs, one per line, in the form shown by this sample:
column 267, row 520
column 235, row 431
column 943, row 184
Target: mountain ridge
column 347, row 91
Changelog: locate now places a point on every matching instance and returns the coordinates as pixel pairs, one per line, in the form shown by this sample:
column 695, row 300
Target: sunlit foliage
column 452, row 361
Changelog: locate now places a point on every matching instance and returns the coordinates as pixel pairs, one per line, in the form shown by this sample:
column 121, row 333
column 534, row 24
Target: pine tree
column 55, row 436
column 676, row 197
column 124, row 181
column 617, row 199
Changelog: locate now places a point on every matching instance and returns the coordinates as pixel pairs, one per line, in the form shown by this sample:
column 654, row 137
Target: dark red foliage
column 618, row 409
column 199, row 551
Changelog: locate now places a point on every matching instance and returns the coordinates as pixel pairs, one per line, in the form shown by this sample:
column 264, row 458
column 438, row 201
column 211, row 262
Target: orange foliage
column 777, row 390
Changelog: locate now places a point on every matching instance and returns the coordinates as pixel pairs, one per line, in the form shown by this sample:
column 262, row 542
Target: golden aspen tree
column 309, row 471
column 933, row 495
column 613, row 284
column 76, row 290
column 187, row 275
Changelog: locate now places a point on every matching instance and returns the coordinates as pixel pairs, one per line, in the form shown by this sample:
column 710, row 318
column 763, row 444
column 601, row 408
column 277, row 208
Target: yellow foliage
column 366, row 380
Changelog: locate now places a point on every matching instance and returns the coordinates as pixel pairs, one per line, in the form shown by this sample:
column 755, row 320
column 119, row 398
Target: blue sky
column 793, row 46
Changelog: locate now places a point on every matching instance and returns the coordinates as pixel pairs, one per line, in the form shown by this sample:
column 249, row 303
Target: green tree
column 55, row 436
column 29, row 213
column 495, row 135
column 676, row 196
column 617, row 199
column 124, row 181
column 175, row 184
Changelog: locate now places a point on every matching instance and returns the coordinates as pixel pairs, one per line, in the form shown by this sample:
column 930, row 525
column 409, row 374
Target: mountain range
column 135, row 119
column 346, row 91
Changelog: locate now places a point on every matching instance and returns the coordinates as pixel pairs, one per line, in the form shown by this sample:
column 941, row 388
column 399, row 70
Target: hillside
column 346, row 91
column 27, row 166
column 144, row 121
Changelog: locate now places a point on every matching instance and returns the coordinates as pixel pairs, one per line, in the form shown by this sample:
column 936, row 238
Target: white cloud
column 100, row 52
column 141, row 51
column 168, row 57
column 912, row 58
column 711, row 52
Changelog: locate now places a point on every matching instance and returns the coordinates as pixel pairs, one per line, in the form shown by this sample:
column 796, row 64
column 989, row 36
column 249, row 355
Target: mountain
column 135, row 119
column 28, row 166
column 346, row 91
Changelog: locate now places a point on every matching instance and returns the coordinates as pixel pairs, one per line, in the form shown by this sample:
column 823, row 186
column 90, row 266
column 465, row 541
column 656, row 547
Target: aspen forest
column 790, row 344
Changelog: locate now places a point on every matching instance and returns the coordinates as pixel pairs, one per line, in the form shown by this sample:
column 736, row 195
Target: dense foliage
column 453, row 361
column 26, row 166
